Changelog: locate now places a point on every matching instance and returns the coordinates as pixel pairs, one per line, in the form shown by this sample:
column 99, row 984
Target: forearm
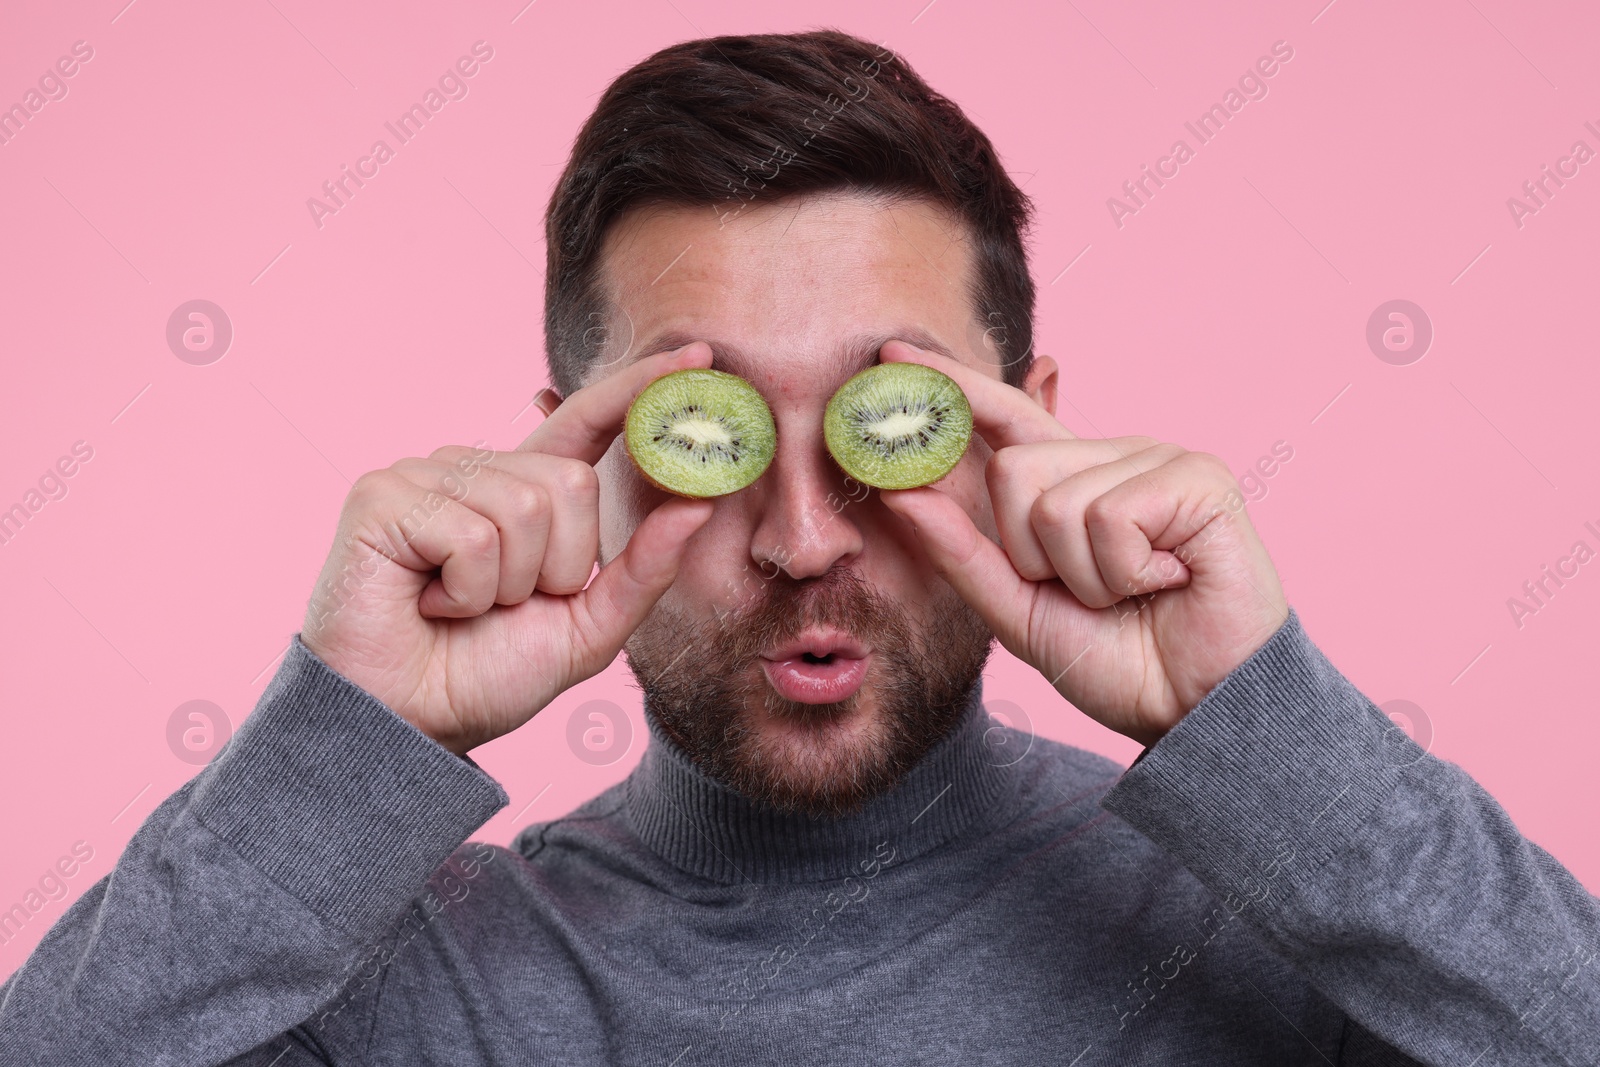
column 1387, row 876
column 253, row 896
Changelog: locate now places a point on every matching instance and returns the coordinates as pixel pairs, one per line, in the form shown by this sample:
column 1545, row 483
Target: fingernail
column 547, row 400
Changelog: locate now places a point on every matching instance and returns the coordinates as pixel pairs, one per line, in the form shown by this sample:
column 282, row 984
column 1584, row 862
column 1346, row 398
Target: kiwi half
column 700, row 433
column 898, row 425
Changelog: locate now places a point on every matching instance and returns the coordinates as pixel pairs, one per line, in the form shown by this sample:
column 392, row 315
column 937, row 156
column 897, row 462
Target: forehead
column 809, row 284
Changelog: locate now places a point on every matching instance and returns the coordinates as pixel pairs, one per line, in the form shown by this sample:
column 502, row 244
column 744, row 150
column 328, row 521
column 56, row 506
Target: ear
column 1041, row 382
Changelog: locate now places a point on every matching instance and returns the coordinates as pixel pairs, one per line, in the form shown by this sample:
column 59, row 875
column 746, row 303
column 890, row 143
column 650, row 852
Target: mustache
column 784, row 607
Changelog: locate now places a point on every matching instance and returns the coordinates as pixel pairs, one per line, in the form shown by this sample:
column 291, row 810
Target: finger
column 1017, row 476
column 574, row 545
column 547, row 400
column 585, row 423
column 1002, row 414
column 422, row 529
column 1157, row 531
column 520, row 510
column 573, row 491
column 1058, row 521
column 625, row 590
column 975, row 566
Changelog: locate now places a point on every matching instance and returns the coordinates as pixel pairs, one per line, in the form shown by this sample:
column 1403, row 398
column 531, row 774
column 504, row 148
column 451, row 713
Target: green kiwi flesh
column 700, row 433
column 898, row 425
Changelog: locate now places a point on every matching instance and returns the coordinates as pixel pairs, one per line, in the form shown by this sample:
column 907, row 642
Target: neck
column 963, row 784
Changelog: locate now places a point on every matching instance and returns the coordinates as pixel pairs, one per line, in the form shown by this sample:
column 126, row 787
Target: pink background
column 1225, row 315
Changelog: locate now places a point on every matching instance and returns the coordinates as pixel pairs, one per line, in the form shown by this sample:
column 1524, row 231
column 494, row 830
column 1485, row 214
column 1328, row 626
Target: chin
column 815, row 698
column 810, row 757
column 816, row 730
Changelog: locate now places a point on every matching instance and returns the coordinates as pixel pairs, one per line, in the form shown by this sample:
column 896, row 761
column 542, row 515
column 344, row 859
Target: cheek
column 717, row 574
column 718, row 555
column 624, row 499
column 967, row 486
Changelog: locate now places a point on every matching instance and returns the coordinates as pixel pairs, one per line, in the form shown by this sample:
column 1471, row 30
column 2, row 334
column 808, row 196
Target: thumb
column 625, row 590
column 976, row 567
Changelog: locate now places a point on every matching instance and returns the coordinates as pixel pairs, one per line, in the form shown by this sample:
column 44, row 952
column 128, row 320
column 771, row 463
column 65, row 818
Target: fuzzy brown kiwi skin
column 646, row 476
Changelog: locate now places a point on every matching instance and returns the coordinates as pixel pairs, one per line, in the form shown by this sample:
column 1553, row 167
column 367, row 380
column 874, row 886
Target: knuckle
column 446, row 453
column 406, row 463
column 478, row 537
column 1052, row 510
column 576, row 480
column 1208, row 462
column 1002, row 463
column 1161, row 454
column 1006, row 469
column 1100, row 513
column 370, row 489
column 409, row 465
column 1168, row 449
column 366, row 486
column 528, row 502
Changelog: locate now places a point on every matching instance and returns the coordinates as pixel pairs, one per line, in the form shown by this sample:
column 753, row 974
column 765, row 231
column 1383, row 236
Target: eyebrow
column 853, row 354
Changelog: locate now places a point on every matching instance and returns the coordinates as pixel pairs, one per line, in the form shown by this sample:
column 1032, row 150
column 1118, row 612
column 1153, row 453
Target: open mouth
column 817, row 667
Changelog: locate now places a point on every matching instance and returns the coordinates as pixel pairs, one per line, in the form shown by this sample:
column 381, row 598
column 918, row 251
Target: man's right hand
column 455, row 590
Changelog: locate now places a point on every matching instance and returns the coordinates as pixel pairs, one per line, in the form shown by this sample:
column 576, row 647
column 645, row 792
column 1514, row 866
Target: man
column 829, row 854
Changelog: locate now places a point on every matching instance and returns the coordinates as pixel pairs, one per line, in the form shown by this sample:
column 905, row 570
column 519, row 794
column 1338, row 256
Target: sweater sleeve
column 1385, row 875
column 247, row 916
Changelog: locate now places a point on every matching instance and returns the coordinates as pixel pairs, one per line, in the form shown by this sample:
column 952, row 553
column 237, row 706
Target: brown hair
column 724, row 121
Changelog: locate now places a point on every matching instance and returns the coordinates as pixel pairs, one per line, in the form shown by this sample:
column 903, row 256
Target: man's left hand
column 1127, row 571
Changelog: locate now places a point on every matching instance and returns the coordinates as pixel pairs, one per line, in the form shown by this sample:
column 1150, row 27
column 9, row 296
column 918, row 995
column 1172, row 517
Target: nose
column 806, row 525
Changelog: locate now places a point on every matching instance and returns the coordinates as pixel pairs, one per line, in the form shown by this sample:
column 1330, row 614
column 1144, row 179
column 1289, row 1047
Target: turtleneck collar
column 964, row 783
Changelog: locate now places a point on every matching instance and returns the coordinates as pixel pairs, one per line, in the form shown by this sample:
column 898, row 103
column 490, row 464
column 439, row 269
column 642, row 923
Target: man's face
column 807, row 654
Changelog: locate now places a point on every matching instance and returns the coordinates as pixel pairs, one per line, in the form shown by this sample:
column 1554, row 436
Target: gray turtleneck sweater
column 1284, row 878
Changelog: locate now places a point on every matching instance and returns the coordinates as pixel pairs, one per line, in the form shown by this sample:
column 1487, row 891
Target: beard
column 705, row 689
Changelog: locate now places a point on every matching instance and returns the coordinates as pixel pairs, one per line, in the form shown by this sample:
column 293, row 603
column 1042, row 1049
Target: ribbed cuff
column 1277, row 766
column 339, row 800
